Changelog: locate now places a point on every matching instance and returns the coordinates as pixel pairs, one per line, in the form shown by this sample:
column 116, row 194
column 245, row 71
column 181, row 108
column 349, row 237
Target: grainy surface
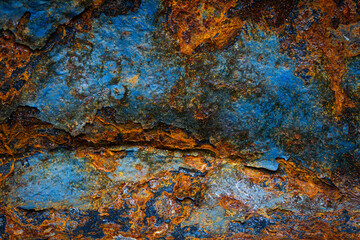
column 179, row 119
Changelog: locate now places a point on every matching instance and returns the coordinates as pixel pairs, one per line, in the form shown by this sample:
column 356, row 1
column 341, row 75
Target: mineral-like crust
column 180, row 119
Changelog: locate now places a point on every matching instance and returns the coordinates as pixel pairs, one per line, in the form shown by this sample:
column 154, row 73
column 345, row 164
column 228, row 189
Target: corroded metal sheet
column 169, row 119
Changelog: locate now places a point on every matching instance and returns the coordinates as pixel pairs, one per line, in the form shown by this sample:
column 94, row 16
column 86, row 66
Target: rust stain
column 14, row 66
column 320, row 25
column 22, row 131
column 201, row 22
column 326, row 45
column 159, row 205
column 103, row 159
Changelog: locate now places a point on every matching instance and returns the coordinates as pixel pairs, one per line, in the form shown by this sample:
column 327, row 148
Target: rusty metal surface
column 169, row 119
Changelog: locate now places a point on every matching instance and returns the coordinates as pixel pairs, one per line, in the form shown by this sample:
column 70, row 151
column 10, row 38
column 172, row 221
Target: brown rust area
column 167, row 137
column 202, row 21
column 188, row 187
column 23, row 133
column 297, row 178
column 194, row 23
column 315, row 227
column 233, row 205
column 102, row 159
column 306, row 181
column 175, row 206
column 14, row 66
column 197, row 162
column 104, row 128
column 17, row 61
column 218, row 23
column 327, row 32
column 167, row 205
column 320, row 226
column 319, row 25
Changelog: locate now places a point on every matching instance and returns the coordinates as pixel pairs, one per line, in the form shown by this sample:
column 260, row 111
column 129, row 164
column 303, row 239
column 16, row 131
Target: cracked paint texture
column 167, row 119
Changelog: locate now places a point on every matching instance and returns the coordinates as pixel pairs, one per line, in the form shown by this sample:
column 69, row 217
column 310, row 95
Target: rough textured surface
column 167, row 119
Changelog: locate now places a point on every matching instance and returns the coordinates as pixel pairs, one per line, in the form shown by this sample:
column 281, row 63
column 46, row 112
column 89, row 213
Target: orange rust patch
column 162, row 137
column 102, row 159
column 230, row 203
column 307, row 181
column 187, row 186
column 14, row 72
column 201, row 21
column 54, row 228
column 326, row 43
column 168, row 207
column 23, row 131
column 297, row 178
column 196, row 162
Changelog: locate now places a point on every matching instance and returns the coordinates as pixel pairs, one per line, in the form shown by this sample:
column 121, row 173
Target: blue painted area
column 151, row 211
column 352, row 78
column 351, row 85
column 118, row 216
column 11, row 9
column 152, row 162
column 194, row 231
column 349, row 225
column 123, row 52
column 46, row 16
column 2, row 225
column 53, row 180
column 270, row 152
column 254, row 225
column 250, row 91
column 130, row 39
column 35, row 218
column 284, row 100
column 277, row 102
column 5, row 168
column 83, row 80
column 92, row 227
column 271, row 165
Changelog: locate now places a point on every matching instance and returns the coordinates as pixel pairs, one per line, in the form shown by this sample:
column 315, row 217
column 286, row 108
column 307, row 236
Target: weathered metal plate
column 179, row 119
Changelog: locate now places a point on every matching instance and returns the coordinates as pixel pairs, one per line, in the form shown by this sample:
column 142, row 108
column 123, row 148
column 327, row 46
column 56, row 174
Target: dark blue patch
column 119, row 7
column 119, row 137
column 347, row 225
column 116, row 216
column 191, row 172
column 340, row 3
column 345, row 216
column 194, row 231
column 4, row 88
column 91, row 228
column 33, row 217
column 19, row 84
column 253, row 225
column 2, row 224
column 5, row 168
column 151, row 212
column 304, row 75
